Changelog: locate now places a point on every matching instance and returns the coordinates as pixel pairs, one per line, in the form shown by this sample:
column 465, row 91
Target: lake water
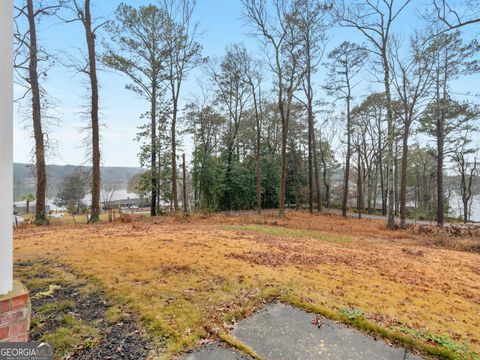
column 456, row 205
column 455, row 202
column 120, row 194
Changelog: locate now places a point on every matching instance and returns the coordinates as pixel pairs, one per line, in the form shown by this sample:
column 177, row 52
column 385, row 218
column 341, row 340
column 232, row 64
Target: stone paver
column 214, row 352
column 281, row 332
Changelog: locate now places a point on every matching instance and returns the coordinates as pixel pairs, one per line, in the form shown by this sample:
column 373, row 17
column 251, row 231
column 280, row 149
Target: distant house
column 124, row 203
column 21, row 207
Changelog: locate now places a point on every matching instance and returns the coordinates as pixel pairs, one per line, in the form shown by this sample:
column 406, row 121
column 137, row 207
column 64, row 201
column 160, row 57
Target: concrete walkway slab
column 281, row 332
column 214, row 352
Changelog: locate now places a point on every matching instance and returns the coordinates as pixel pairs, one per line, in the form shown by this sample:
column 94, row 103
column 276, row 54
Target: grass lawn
column 187, row 279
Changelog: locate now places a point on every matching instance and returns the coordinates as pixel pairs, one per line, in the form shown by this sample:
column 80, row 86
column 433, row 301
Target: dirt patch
column 123, row 340
column 71, row 313
column 277, row 258
column 413, row 252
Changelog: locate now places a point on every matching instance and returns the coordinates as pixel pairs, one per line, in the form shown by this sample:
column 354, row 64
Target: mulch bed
column 122, row 340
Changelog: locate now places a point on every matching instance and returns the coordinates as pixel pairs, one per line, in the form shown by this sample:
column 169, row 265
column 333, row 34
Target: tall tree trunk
column 95, row 190
column 382, row 172
column 311, row 128
column 283, row 165
column 375, row 187
column 382, row 188
column 185, row 194
column 40, row 216
column 153, row 151
column 440, row 142
column 369, row 192
column 390, row 140
column 258, row 160
column 174, row 156
column 159, row 167
column 440, row 200
column 296, row 186
column 359, row 186
column 403, row 175
column 347, row 160
column 317, row 172
column 440, row 145
column 228, row 178
column 310, row 156
column 325, row 182
column 285, row 116
column 395, row 184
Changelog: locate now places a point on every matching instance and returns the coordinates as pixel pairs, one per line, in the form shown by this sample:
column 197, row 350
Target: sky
column 220, row 23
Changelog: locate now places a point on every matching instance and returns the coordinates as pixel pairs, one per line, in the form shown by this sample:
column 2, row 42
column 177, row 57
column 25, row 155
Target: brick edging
column 15, row 314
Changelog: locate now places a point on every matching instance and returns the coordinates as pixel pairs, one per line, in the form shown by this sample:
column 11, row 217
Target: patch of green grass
column 395, row 337
column 51, row 307
column 409, row 331
column 444, row 341
column 351, row 313
column 35, row 283
column 35, row 322
column 240, row 346
column 72, row 333
column 115, row 315
column 282, row 231
column 461, row 351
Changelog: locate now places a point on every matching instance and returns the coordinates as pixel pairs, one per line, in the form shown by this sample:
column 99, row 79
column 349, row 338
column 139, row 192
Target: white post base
column 6, row 146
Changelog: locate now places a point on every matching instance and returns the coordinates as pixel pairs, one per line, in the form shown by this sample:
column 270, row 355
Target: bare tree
column 451, row 18
column 443, row 117
column 326, row 136
column 183, row 55
column 412, row 80
column 233, row 93
column 276, row 25
column 28, row 68
column 107, row 194
column 345, row 62
column 140, row 53
column 359, row 144
column 468, row 170
column 253, row 72
column 374, row 21
column 205, row 124
column 88, row 66
column 368, row 134
column 313, row 31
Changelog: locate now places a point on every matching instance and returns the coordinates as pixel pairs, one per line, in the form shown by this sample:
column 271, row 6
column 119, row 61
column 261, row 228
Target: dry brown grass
column 189, row 278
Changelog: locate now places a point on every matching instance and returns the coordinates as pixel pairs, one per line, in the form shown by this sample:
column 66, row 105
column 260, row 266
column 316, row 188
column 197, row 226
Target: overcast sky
column 221, row 24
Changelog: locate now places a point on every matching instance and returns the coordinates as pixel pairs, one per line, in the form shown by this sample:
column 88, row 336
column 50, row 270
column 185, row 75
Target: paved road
column 282, row 332
column 215, row 351
column 273, row 212
column 397, row 219
column 378, row 217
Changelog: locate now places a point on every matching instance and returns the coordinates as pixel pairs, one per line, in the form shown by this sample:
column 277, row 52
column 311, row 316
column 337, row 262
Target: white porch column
column 6, row 146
